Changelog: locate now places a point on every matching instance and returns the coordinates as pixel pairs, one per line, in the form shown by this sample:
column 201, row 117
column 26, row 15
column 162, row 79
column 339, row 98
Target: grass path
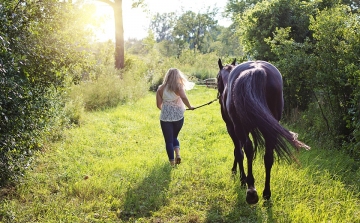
column 114, row 168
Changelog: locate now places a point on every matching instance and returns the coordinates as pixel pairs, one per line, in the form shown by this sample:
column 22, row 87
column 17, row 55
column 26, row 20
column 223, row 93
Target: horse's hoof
column 266, row 195
column 252, row 196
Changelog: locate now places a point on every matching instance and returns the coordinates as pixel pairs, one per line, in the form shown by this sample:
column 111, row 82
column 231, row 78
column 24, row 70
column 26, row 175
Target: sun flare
column 136, row 22
column 105, row 15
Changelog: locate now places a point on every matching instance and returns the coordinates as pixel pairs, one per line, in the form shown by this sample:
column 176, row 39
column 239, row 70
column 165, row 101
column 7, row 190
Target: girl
column 170, row 99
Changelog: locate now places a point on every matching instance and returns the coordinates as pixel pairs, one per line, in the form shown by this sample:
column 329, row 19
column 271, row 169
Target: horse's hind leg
column 268, row 161
column 251, row 193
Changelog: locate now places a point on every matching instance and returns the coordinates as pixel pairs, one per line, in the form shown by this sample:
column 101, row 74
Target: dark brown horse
column 251, row 99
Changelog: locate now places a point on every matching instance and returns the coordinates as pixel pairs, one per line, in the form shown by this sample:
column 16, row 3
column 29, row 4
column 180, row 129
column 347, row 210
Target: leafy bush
column 38, row 52
column 18, row 129
column 111, row 87
column 194, row 65
column 321, row 76
column 201, row 66
column 74, row 109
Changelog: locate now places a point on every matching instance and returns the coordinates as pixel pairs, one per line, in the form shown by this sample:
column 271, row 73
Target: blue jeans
column 171, row 131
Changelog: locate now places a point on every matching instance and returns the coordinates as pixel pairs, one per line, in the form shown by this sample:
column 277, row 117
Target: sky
column 136, row 21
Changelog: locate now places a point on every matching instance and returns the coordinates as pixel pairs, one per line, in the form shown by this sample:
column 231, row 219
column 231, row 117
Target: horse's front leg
column 231, row 132
column 238, row 155
column 239, row 159
column 268, row 161
column 251, row 193
column 234, row 167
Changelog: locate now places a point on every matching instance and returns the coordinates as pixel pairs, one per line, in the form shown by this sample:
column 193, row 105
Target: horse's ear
column 220, row 64
column 234, row 62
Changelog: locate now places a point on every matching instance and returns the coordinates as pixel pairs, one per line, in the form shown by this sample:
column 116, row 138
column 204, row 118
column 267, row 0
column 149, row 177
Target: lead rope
column 205, row 104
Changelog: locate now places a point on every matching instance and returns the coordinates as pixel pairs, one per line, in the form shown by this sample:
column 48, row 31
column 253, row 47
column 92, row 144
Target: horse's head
column 223, row 75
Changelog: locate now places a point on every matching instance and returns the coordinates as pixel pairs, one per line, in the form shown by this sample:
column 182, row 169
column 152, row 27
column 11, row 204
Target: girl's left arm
column 159, row 98
column 184, row 98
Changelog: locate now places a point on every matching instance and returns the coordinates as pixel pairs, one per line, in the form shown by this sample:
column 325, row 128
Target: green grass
column 114, row 168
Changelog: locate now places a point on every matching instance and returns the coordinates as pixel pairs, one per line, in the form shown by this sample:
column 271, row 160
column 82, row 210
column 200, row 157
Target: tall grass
column 114, row 168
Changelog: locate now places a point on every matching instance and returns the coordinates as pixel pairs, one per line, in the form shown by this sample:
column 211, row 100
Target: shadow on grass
column 241, row 211
column 149, row 195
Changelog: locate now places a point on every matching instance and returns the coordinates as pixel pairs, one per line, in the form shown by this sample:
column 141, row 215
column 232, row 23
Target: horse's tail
column 249, row 93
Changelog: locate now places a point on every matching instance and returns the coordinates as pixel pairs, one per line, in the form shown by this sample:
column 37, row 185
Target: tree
column 325, row 4
column 192, row 28
column 163, row 25
column 236, row 7
column 119, row 29
column 257, row 24
column 119, row 32
column 227, row 43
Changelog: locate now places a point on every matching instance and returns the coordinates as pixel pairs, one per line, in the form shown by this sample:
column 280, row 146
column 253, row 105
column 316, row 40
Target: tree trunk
column 119, row 35
column 119, row 32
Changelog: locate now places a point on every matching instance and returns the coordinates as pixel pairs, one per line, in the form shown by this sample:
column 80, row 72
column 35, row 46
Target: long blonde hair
column 174, row 80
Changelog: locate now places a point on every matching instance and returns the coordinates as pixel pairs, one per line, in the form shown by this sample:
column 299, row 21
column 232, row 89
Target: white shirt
column 172, row 107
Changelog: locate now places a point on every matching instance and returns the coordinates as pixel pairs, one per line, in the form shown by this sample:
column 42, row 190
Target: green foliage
column 167, row 48
column 22, row 118
column 195, row 65
column 20, row 123
column 337, row 50
column 200, row 66
column 227, row 43
column 108, row 89
column 55, row 48
column 192, row 28
column 134, row 46
column 320, row 72
column 163, row 26
column 295, row 56
column 236, row 7
column 199, row 32
column 39, row 52
column 74, row 108
column 189, row 30
column 353, row 116
column 260, row 22
column 114, row 168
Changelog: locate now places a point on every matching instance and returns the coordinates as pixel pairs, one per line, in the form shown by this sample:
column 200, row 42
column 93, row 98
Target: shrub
column 38, row 52
column 110, row 88
column 74, row 109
